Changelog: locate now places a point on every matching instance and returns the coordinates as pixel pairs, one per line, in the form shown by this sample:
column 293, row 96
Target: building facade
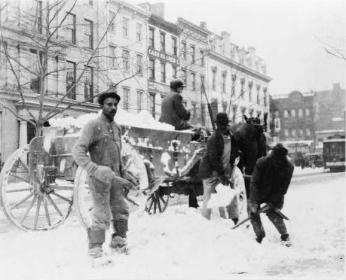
column 236, row 79
column 193, row 53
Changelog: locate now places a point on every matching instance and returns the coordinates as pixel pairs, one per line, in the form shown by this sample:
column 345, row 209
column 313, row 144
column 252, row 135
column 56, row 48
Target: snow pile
column 181, row 244
column 142, row 119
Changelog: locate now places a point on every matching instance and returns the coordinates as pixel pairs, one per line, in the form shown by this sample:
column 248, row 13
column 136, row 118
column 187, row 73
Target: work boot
column 119, row 245
column 235, row 221
column 285, row 240
column 95, row 250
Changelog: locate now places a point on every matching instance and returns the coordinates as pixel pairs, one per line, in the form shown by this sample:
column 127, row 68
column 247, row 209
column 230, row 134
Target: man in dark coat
column 269, row 183
column 217, row 163
column 173, row 111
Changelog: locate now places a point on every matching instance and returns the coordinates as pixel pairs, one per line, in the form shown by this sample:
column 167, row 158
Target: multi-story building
column 296, row 115
column 193, row 53
column 125, row 53
column 236, row 79
column 31, row 64
column 163, row 53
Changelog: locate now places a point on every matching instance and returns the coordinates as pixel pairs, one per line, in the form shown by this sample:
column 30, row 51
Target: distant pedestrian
column 101, row 138
column 173, row 111
column 269, row 184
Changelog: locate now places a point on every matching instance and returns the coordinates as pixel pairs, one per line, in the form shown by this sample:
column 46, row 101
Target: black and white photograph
column 172, row 139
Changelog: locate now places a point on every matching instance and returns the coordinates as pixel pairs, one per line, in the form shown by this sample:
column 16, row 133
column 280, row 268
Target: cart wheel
column 22, row 196
column 156, row 202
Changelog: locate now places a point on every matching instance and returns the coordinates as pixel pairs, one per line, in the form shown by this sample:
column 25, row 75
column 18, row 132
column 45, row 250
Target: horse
column 251, row 143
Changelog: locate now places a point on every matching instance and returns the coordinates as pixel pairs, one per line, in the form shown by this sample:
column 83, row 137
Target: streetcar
column 334, row 153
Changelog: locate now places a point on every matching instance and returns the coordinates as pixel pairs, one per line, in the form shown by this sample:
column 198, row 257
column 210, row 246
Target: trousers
column 108, row 204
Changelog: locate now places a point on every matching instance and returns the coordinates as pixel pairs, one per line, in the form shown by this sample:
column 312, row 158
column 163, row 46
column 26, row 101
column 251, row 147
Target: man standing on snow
column 269, row 183
column 173, row 111
column 101, row 138
column 217, row 163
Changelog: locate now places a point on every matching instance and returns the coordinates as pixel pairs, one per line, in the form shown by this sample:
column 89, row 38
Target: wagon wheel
column 27, row 201
column 157, row 202
column 82, row 195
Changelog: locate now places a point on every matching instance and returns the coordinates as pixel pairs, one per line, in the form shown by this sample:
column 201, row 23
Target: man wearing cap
column 217, row 163
column 269, row 183
column 101, row 138
column 173, row 111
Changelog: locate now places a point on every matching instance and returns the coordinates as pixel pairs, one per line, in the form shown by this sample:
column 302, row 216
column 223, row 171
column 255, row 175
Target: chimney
column 203, row 24
column 158, row 9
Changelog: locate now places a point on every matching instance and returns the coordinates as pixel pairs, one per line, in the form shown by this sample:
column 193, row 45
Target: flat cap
column 108, row 93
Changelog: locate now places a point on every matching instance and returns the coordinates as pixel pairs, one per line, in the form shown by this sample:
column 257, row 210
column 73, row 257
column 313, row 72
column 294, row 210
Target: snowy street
column 181, row 244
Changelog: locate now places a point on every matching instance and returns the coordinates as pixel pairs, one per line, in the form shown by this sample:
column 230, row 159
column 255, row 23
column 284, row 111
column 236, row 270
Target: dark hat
column 222, row 119
column 279, row 151
column 175, row 84
column 108, row 93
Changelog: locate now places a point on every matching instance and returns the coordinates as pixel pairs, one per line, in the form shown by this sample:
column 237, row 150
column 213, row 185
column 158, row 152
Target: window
column 265, row 96
column 89, row 33
column 224, row 75
column 184, row 76
column 300, row 112
column 293, row 132
column 126, row 97
column 286, row 113
column 293, row 113
column 193, row 81
column 234, row 78
column 125, row 27
column 194, row 111
column 307, row 112
column 152, row 69
column 139, row 100
column 163, row 72
column 174, row 71
column 308, row 132
column 183, row 44
column 234, row 114
column 301, row 133
column 71, row 26
column 213, row 83
column 139, row 64
column 70, row 79
column 111, row 21
column 250, row 91
column 242, row 82
column 286, row 132
column 193, row 54
column 162, row 42
column 201, row 52
column 139, row 32
column 151, row 37
column 258, row 94
column 35, row 79
column 39, row 17
column 91, row 2
column 112, row 57
column 174, row 46
column 88, row 83
column 202, row 82
column 126, row 60
column 152, row 103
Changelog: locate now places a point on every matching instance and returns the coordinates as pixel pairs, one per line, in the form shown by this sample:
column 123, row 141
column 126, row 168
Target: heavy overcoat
column 270, row 180
column 173, row 111
column 212, row 159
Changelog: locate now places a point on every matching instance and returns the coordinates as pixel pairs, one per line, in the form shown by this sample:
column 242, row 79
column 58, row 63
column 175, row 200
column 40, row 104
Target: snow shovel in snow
column 263, row 209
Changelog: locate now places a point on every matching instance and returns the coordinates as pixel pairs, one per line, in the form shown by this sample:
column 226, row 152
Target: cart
column 40, row 183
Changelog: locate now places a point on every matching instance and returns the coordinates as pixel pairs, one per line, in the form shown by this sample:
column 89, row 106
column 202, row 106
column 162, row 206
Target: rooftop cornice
column 194, row 27
column 131, row 7
column 164, row 24
column 239, row 66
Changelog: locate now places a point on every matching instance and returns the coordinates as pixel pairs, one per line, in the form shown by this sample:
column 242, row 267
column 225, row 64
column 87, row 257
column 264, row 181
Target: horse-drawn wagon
column 40, row 183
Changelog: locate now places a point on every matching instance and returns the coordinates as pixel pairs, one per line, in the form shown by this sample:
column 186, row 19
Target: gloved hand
column 254, row 207
column 224, row 180
column 103, row 174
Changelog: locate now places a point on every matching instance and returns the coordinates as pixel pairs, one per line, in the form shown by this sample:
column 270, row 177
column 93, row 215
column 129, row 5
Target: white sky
column 288, row 34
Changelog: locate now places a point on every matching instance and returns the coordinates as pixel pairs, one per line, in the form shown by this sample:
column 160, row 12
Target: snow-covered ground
column 180, row 244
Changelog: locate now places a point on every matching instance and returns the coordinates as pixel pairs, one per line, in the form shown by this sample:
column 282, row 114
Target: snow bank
column 142, row 119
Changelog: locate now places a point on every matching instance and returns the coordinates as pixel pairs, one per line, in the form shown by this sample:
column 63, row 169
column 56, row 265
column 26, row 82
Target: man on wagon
column 101, row 138
column 173, row 111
